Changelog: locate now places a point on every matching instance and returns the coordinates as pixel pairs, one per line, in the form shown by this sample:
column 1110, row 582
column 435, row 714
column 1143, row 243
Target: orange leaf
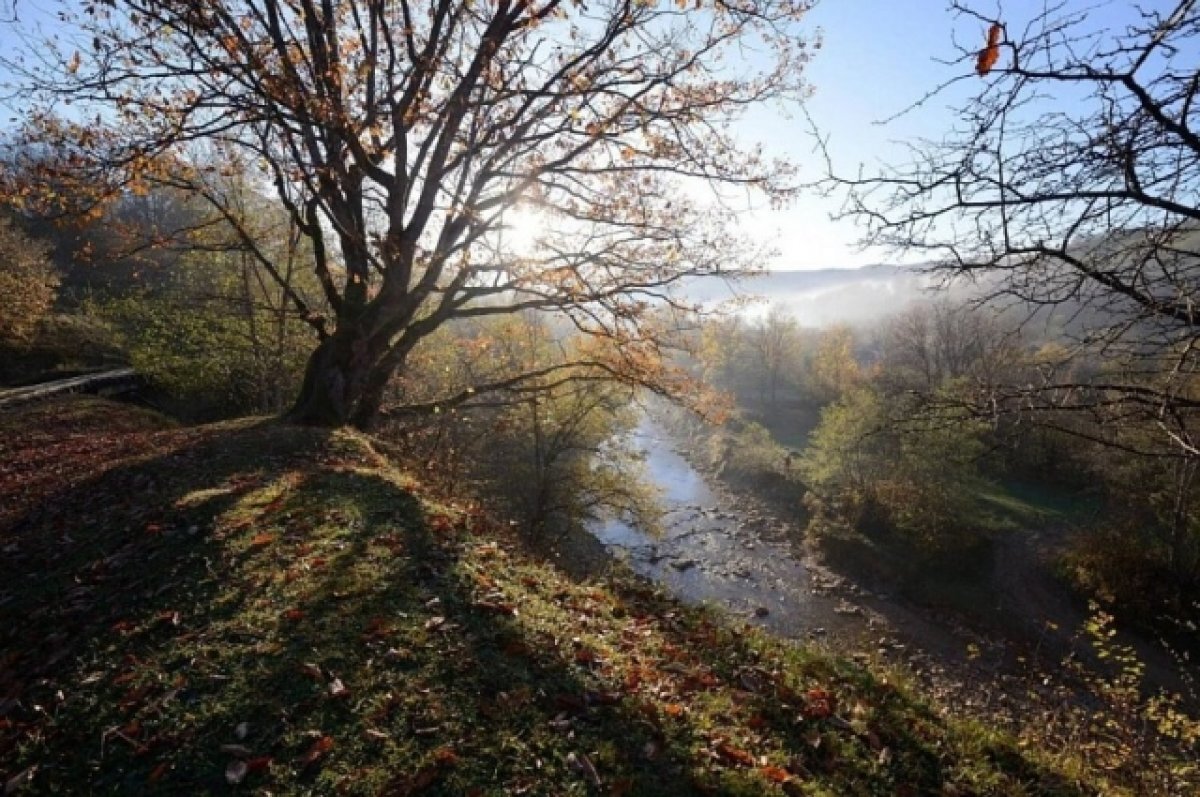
column 673, row 710
column 991, row 53
column 775, row 774
column 734, row 755
column 377, row 628
column 318, row 751
column 821, row 703
column 294, row 614
column 262, row 539
column 495, row 608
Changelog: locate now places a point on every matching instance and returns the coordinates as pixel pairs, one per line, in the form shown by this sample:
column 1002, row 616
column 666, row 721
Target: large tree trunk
column 337, row 374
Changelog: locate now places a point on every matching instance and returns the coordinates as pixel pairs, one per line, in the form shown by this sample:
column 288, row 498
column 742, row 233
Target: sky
column 877, row 58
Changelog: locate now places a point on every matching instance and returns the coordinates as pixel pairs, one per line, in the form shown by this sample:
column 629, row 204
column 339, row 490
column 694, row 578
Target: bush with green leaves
column 870, row 463
column 213, row 340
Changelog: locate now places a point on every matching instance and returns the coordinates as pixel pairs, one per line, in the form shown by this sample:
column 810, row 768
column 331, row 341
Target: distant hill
column 824, row 296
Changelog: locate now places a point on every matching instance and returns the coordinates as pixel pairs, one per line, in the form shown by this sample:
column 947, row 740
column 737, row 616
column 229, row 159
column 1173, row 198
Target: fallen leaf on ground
column 734, row 755
column 434, row 623
column 444, row 758
column 497, row 608
column 579, row 762
column 317, row 751
column 821, row 703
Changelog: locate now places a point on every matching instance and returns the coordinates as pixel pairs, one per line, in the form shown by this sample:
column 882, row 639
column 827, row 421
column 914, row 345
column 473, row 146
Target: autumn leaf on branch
column 991, row 52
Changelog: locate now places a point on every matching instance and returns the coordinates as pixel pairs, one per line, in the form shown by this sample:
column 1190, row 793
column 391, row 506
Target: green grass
column 1016, row 506
column 179, row 604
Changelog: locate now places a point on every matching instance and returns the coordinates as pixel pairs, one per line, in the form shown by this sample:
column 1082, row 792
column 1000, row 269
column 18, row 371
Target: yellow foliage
column 28, row 283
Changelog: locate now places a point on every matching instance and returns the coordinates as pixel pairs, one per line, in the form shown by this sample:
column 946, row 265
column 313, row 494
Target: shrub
column 916, row 479
column 28, row 283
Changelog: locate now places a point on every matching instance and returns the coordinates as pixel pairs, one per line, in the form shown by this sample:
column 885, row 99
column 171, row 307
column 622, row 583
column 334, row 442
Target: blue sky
column 877, row 59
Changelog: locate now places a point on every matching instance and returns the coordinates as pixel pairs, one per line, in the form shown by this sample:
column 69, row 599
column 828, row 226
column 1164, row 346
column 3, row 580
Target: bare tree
column 933, row 344
column 404, row 139
column 1071, row 184
column 774, row 342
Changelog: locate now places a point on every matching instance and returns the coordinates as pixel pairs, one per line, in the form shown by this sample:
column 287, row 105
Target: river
column 713, row 551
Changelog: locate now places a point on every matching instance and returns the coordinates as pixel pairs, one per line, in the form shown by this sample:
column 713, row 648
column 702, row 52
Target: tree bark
column 335, row 381
column 374, row 387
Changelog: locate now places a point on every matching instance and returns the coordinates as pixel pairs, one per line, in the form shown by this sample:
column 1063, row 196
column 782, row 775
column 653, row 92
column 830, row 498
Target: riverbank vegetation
column 884, row 435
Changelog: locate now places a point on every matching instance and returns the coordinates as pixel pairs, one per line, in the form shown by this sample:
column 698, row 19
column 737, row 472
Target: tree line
column 892, row 431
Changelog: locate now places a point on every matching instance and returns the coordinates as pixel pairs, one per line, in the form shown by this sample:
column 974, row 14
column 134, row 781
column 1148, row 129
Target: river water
column 713, row 551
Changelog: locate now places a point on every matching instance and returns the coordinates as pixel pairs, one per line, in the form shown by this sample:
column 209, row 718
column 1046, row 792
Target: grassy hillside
column 253, row 608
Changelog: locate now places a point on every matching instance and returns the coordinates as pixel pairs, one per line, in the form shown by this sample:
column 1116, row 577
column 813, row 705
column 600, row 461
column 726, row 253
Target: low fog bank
column 822, row 297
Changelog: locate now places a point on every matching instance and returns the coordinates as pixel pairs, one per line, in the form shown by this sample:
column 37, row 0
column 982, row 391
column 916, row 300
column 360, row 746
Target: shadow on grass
column 274, row 606
column 248, row 596
column 837, row 726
